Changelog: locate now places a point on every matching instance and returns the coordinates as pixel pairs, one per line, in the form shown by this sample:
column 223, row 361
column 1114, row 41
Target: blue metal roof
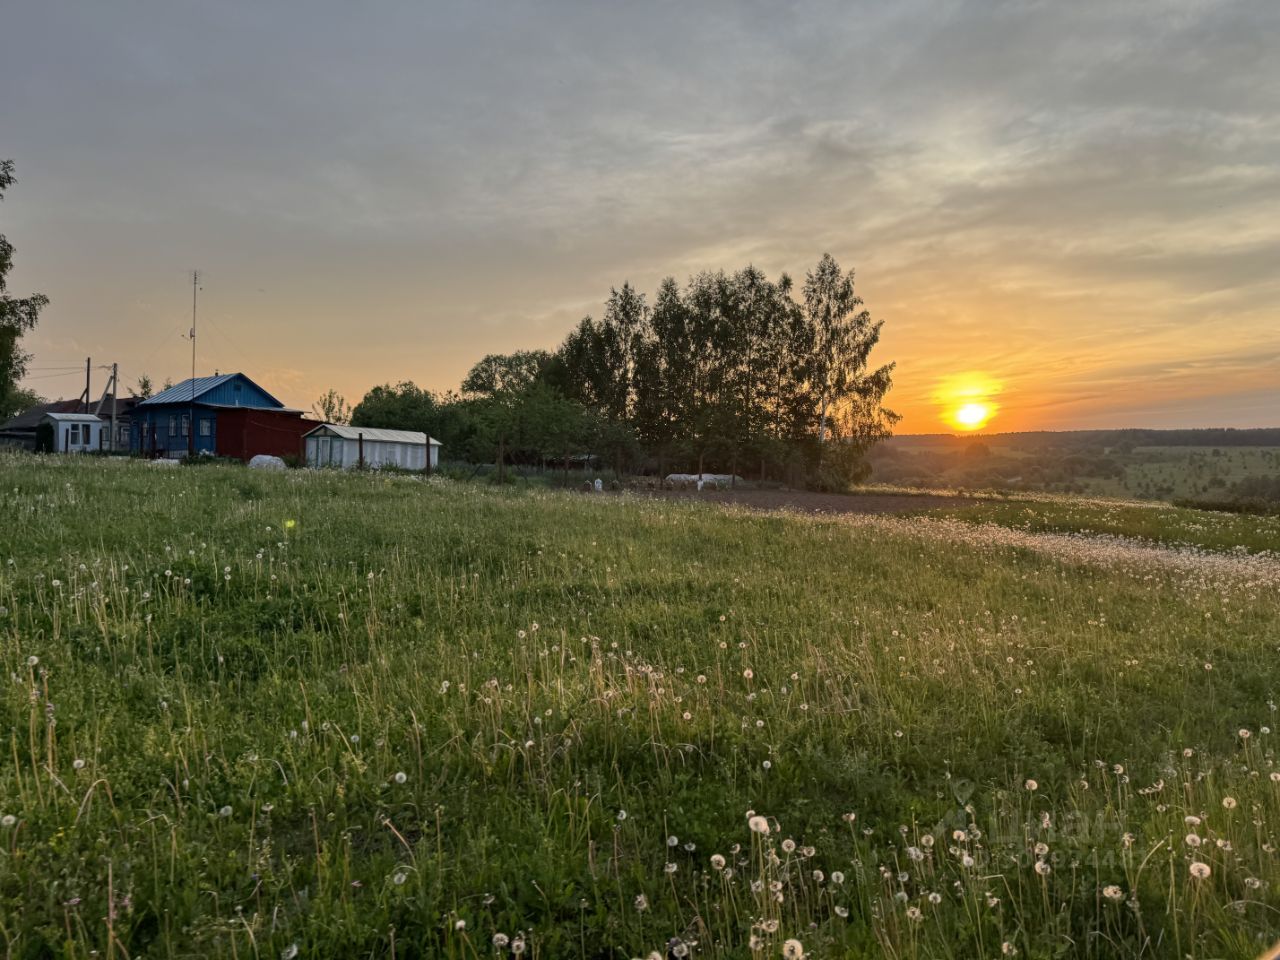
column 192, row 390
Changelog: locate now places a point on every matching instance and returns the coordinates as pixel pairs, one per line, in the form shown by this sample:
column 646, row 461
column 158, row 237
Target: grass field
column 316, row 715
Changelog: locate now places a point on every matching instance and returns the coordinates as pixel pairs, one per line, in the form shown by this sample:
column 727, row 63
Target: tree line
column 18, row 316
column 729, row 373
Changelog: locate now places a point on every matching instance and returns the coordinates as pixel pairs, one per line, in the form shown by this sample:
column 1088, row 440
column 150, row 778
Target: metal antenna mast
column 191, row 419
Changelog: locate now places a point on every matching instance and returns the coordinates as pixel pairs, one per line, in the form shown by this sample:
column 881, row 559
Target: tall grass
column 305, row 714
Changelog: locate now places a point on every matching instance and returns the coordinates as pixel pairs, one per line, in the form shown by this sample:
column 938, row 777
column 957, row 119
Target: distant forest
column 1222, row 469
column 1131, row 437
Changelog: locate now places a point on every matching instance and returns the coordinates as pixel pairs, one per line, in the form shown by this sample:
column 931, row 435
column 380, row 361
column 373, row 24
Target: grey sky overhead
column 1077, row 202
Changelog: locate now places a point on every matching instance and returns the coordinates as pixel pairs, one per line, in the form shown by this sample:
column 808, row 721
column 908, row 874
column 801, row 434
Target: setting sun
column 971, row 416
column 968, row 400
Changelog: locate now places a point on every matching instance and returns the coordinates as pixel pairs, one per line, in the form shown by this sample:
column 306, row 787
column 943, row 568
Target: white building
column 337, row 445
column 76, row 432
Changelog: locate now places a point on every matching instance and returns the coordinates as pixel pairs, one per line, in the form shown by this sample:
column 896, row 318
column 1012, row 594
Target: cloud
column 1037, row 190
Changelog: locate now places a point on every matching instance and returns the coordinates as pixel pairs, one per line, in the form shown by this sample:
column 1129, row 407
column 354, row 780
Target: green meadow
column 277, row 715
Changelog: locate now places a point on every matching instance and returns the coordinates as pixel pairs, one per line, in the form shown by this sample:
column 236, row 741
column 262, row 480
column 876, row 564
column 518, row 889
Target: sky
column 1070, row 211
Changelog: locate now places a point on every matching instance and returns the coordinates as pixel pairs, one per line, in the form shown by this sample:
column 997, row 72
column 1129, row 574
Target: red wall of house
column 248, row 432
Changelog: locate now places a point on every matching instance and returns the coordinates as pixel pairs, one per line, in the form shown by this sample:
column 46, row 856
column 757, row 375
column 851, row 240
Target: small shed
column 20, row 432
column 339, row 445
column 75, row 432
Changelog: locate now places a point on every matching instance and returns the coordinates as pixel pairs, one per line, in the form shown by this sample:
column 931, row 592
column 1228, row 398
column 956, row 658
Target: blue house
column 233, row 417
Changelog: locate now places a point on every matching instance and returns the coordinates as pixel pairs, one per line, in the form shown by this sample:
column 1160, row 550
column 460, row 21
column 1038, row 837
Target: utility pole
column 115, row 373
column 109, row 391
column 191, row 418
column 87, row 361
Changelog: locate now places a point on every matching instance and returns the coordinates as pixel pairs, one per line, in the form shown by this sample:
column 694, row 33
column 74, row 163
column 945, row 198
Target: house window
column 173, row 424
column 206, row 427
column 75, row 434
column 186, row 425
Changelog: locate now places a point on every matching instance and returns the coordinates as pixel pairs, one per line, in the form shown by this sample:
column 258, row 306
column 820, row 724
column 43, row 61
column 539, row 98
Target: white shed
column 338, row 445
column 76, row 432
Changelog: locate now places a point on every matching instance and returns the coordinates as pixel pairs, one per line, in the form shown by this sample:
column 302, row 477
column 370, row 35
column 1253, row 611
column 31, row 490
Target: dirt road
column 807, row 502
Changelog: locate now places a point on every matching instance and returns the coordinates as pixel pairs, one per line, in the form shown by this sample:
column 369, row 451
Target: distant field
column 1091, row 464
column 320, row 715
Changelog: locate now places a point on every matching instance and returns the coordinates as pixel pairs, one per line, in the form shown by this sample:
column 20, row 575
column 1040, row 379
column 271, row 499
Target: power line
column 53, row 376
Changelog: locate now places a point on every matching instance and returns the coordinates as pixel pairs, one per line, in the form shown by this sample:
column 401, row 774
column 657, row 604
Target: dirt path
column 828, row 503
column 1202, row 567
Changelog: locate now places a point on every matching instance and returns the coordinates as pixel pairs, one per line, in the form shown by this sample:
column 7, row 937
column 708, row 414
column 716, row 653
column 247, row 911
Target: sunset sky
column 1076, row 204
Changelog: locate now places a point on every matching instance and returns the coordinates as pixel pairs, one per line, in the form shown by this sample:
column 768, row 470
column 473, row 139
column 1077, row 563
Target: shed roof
column 74, row 417
column 375, row 434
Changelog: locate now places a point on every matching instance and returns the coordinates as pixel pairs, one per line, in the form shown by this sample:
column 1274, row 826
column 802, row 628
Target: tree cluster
column 730, row 373
column 18, row 315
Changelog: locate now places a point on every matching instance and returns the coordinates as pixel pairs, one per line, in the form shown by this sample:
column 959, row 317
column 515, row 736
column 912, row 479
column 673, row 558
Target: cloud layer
column 1081, row 201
